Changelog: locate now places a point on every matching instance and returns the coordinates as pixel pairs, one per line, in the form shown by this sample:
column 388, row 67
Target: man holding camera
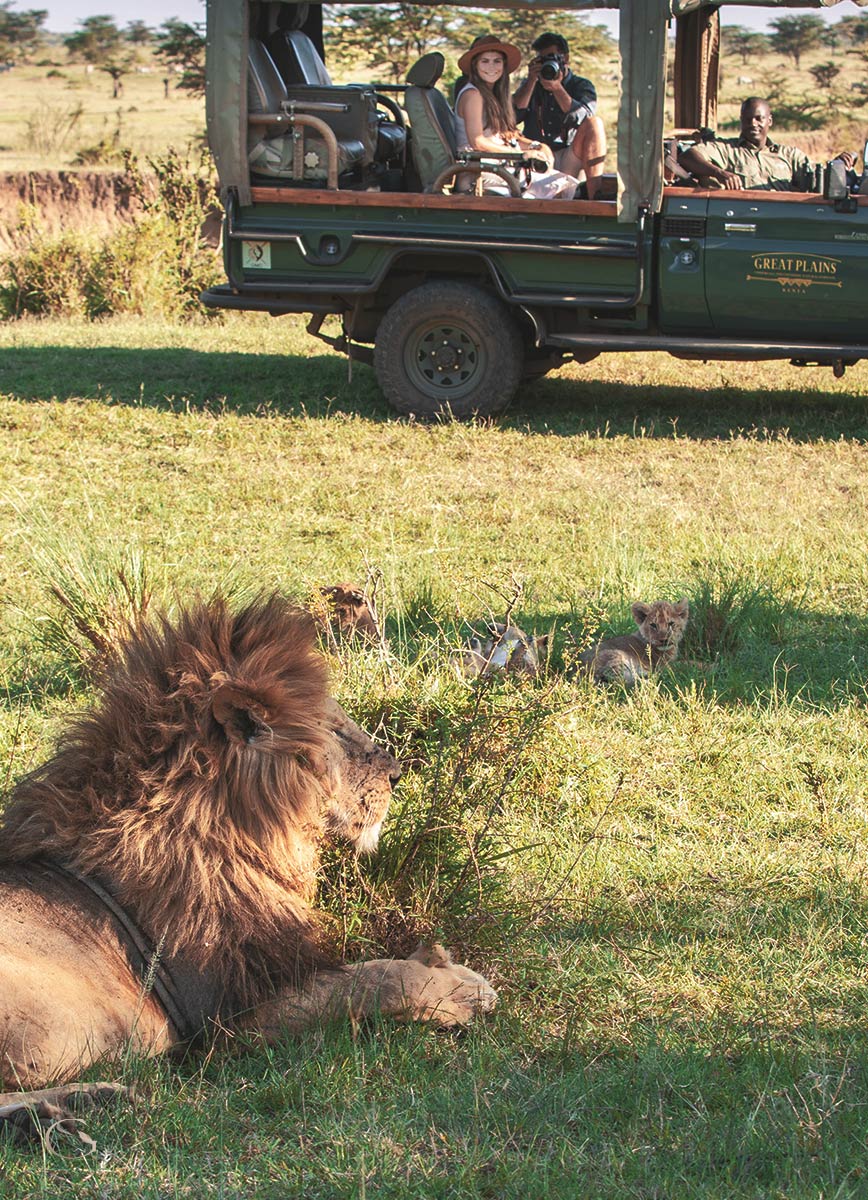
column 558, row 107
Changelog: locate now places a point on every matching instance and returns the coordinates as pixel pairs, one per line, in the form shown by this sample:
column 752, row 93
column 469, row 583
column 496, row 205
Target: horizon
column 64, row 16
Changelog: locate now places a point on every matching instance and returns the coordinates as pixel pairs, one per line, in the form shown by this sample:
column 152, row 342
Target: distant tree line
column 101, row 43
column 388, row 39
column 796, row 36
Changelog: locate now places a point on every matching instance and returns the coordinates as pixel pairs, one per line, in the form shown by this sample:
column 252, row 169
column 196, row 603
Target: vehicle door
column 787, row 265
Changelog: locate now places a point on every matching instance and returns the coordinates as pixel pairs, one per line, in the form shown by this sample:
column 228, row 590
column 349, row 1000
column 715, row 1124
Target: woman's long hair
column 498, row 115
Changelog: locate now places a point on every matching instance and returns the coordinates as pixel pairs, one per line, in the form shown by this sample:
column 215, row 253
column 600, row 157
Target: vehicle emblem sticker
column 256, row 256
column 795, row 273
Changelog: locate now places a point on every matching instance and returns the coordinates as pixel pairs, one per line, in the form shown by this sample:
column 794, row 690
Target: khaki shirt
column 775, row 168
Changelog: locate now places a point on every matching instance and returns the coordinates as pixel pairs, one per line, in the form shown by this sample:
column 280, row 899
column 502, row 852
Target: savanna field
column 667, row 886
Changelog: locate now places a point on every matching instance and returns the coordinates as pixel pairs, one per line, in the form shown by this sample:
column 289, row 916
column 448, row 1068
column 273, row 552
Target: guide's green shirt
column 773, row 169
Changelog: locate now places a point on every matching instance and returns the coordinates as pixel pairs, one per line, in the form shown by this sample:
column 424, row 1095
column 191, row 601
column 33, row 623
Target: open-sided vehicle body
column 339, row 201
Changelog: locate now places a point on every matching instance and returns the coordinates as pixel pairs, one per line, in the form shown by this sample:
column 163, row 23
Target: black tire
column 448, row 349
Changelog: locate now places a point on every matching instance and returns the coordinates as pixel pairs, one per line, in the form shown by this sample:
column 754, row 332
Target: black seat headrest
column 427, row 70
column 292, row 16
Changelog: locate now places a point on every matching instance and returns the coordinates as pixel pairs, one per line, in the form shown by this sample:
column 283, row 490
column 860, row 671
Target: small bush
column 135, row 271
column 45, row 278
column 103, row 153
column 49, row 128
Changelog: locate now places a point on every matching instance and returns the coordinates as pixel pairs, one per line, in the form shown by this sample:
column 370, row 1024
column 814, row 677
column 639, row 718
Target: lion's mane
column 193, row 789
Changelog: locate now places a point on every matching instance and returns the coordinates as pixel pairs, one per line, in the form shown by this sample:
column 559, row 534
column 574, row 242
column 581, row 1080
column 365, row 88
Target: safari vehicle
column 341, row 200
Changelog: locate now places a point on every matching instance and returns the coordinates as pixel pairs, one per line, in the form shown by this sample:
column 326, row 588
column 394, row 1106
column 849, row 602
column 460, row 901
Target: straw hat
column 481, row 45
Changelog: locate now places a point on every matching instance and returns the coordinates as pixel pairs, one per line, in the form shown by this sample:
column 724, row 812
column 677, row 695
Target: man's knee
column 590, row 137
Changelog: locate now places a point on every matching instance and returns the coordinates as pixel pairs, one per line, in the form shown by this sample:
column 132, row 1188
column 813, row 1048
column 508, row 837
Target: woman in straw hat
column 483, row 106
column 485, row 118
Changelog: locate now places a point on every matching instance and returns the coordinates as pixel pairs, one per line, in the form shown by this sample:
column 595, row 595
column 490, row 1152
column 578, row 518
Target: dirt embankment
column 90, row 201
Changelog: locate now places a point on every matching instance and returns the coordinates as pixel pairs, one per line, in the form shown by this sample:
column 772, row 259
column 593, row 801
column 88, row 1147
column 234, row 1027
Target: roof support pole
column 697, row 58
column 643, row 34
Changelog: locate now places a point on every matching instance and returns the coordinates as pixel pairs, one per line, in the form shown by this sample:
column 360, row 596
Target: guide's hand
column 727, row 179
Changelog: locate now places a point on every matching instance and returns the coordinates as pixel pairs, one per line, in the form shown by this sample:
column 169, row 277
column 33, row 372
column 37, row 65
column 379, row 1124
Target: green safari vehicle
column 339, row 200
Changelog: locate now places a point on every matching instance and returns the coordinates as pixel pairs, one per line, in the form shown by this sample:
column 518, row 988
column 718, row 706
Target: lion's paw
column 451, row 994
column 42, row 1115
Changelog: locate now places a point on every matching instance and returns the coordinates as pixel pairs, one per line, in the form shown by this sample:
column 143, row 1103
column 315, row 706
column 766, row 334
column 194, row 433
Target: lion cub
column 653, row 647
column 505, row 648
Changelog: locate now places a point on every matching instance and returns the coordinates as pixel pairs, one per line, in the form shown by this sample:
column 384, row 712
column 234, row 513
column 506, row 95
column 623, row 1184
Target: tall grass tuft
column 725, row 609
column 98, row 601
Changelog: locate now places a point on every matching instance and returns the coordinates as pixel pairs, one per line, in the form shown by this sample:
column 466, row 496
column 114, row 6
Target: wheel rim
column 445, row 360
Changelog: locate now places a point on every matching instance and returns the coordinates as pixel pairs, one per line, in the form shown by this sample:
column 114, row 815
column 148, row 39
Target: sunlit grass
column 667, row 886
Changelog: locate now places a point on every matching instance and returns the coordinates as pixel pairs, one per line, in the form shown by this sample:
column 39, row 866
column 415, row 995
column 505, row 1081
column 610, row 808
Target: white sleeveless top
column 460, row 128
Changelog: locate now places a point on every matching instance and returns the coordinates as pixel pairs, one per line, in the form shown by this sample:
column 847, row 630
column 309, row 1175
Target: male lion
column 157, row 873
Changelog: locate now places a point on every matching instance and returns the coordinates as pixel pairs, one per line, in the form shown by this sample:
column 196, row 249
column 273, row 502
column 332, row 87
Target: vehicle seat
column 298, row 58
column 298, row 61
column 432, row 122
column 270, row 148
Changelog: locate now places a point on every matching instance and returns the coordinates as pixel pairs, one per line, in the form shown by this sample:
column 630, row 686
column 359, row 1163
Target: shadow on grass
column 176, row 379
column 788, row 654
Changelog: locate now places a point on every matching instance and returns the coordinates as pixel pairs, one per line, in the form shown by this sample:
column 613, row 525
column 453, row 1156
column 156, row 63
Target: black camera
column 551, row 66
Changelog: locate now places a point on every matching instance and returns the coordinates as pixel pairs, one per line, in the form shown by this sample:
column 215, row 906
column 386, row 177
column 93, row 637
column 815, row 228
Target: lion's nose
column 395, row 774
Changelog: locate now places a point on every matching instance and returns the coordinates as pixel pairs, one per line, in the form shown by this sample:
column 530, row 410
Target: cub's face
column 662, row 624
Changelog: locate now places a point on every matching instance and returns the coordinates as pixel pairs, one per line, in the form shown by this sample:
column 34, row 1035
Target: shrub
column 135, row 271
column 48, row 128
column 102, row 153
column 155, row 265
column 180, row 194
column 45, row 277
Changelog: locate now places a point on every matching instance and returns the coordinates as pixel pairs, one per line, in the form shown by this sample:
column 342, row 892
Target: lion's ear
column 240, row 713
column 640, row 612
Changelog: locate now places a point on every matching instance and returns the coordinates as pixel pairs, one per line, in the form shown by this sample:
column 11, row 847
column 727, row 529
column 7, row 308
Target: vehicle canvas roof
column 643, row 44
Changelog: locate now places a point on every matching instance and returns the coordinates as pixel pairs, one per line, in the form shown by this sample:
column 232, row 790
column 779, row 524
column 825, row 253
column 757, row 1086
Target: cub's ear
column 640, row 612
column 435, row 955
column 541, row 642
column 237, row 708
column 682, row 607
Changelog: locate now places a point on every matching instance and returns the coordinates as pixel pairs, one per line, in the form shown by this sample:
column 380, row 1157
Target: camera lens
column 550, row 69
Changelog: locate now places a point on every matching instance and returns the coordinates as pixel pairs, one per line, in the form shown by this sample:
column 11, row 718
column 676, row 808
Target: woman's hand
column 537, row 150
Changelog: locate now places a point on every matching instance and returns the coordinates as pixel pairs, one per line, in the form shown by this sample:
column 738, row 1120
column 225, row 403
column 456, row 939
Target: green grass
column 667, row 887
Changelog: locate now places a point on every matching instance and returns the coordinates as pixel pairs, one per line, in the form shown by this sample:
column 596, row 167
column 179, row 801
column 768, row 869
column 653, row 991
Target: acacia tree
column 390, row 38
column 101, row 43
column 138, row 33
column 794, row 35
column 96, row 41
column 387, row 38
column 825, row 74
column 20, row 32
column 180, row 44
column 744, row 42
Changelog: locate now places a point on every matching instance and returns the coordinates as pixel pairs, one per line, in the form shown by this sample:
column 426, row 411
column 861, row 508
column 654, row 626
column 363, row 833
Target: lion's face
column 361, row 777
column 662, row 624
